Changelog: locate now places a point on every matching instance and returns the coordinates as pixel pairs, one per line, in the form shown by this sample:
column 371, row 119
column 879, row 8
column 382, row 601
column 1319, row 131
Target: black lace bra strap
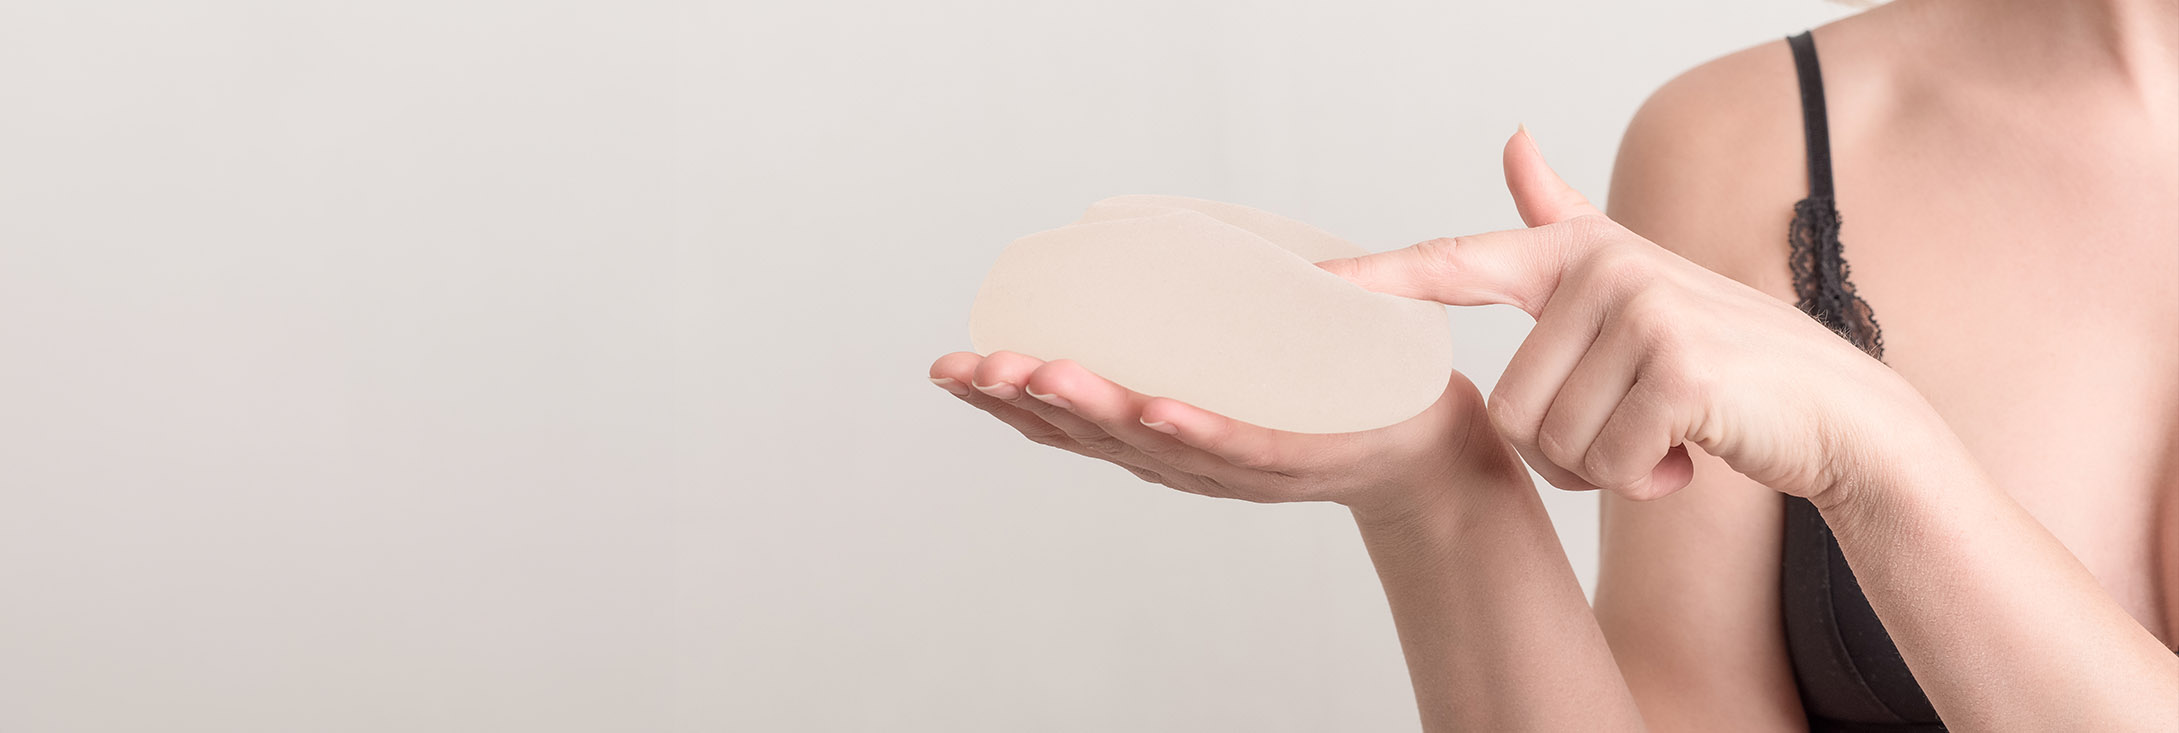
column 1815, row 121
column 1819, row 264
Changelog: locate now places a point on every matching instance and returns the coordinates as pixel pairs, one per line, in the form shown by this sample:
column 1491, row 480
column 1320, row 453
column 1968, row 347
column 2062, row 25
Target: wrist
column 1491, row 504
column 1478, row 468
column 1898, row 474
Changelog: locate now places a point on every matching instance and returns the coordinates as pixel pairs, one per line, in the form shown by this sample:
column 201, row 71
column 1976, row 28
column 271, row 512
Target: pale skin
column 2006, row 488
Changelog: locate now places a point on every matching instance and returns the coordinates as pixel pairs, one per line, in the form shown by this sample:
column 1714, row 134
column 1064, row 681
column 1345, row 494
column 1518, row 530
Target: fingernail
column 1162, row 427
column 1051, row 399
column 948, row 384
column 1001, row 390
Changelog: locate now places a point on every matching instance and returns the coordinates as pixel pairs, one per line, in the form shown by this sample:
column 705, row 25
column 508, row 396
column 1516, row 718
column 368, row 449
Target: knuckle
column 1609, row 473
column 1436, row 257
column 1647, row 304
column 1557, row 446
column 1439, row 249
column 1661, row 336
column 1512, row 420
column 1428, row 260
column 1681, row 380
column 1619, row 261
column 1699, row 377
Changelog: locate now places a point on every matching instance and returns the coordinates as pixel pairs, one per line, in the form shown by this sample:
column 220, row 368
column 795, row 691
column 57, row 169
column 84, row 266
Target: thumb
column 1538, row 192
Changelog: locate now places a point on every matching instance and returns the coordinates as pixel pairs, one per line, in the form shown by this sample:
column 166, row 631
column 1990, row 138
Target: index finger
column 1517, row 267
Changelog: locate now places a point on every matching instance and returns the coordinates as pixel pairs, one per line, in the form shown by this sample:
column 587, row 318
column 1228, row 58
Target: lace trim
column 1820, row 276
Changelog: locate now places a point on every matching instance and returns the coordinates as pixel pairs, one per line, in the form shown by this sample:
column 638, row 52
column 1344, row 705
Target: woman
column 1991, row 448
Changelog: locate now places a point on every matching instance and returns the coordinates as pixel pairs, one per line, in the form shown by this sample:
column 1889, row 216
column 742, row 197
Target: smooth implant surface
column 1220, row 306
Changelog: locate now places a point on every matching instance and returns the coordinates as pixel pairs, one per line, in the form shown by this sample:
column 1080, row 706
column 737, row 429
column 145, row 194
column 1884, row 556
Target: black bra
column 1850, row 675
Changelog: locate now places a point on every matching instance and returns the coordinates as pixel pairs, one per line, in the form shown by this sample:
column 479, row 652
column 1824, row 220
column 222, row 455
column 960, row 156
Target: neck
column 2055, row 42
column 2136, row 41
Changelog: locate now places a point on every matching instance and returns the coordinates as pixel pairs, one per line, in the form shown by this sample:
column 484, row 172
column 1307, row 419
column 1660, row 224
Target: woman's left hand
column 1637, row 351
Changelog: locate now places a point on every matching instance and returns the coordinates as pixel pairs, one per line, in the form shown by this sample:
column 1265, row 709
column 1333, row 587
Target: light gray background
column 560, row 367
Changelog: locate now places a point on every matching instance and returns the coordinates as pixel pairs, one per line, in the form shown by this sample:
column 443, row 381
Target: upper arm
column 1688, row 588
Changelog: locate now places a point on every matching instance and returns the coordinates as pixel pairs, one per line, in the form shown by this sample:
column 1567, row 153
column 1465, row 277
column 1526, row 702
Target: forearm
column 1495, row 629
column 2003, row 627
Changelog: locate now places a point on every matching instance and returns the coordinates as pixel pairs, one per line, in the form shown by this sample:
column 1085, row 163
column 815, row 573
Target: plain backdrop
column 550, row 366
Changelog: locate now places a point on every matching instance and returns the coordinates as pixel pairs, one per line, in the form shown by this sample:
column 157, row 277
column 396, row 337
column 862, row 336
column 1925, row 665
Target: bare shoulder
column 1712, row 163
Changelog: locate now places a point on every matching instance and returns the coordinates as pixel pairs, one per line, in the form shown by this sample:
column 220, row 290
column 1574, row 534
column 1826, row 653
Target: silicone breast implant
column 1220, row 306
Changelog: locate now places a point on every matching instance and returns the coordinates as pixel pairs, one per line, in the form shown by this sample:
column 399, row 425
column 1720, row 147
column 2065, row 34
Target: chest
column 2032, row 294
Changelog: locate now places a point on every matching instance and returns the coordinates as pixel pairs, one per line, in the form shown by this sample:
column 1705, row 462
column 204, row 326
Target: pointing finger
column 1519, row 267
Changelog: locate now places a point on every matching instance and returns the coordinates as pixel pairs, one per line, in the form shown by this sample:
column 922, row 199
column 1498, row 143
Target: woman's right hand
column 1381, row 473
column 1638, row 352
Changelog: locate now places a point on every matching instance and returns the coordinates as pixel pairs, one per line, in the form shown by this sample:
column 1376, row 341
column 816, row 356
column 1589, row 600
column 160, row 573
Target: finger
column 1638, row 453
column 1482, row 269
column 1523, row 397
column 1538, row 192
column 1003, row 372
column 952, row 372
column 1588, row 397
column 1517, row 267
column 1119, row 412
column 955, row 371
column 1005, row 375
column 1055, row 409
column 1233, row 441
column 1675, row 472
column 1551, row 473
